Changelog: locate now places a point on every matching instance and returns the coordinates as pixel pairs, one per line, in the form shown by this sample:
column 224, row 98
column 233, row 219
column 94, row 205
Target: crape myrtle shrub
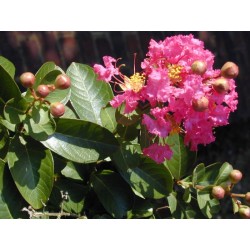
column 96, row 142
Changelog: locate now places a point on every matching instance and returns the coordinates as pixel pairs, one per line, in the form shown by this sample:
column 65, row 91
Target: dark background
column 29, row 50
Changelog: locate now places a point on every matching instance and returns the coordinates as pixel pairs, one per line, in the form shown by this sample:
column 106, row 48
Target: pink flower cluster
column 186, row 95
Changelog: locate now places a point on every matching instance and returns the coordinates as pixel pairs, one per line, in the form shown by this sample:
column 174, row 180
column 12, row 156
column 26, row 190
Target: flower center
column 175, row 126
column 174, row 71
column 134, row 82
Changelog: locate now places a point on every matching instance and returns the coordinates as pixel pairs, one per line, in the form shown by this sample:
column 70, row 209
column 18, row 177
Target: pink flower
column 129, row 97
column 159, row 153
column 158, row 126
column 109, row 71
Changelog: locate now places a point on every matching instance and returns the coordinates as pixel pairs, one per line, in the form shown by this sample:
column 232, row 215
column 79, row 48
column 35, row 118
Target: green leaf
column 8, row 125
column 108, row 120
column 235, row 206
column 224, row 173
column 198, row 173
column 187, row 195
column 69, row 113
column 11, row 203
column 142, row 208
column 32, row 169
column 15, row 110
column 114, row 194
column 8, row 66
column 44, row 71
column 211, row 174
column 147, row 178
column 81, row 141
column 174, row 207
column 73, row 171
column 8, row 87
column 182, row 159
column 88, row 95
column 74, row 194
column 4, row 141
column 126, row 119
column 40, row 125
column 208, row 206
column 127, row 133
column 47, row 75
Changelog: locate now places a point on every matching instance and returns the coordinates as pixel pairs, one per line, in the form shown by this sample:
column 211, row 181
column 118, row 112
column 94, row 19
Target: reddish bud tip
column 221, row 85
column 244, row 212
column 27, row 79
column 42, row 90
column 200, row 104
column 199, row 67
column 218, row 192
column 57, row 109
column 62, row 81
column 235, row 176
column 230, row 70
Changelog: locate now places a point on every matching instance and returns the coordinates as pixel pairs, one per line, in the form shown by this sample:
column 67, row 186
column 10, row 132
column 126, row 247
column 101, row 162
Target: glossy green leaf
column 68, row 196
column 8, row 66
column 182, row 160
column 108, row 118
column 142, row 208
column 31, row 166
column 73, row 171
column 208, row 205
column 44, row 71
column 69, row 113
column 8, row 86
column 224, row 173
column 88, row 95
column 198, row 173
column 15, row 110
column 40, row 125
column 147, row 178
column 211, row 173
column 113, row 192
column 4, row 141
column 127, row 133
column 7, row 124
column 11, row 203
column 81, row 141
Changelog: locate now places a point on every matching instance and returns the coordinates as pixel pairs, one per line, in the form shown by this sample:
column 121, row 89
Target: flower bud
column 57, row 109
column 27, row 79
column 235, row 176
column 42, row 91
column 247, row 197
column 62, row 81
column 200, row 104
column 199, row 67
column 218, row 192
column 221, row 85
column 244, row 212
column 230, row 70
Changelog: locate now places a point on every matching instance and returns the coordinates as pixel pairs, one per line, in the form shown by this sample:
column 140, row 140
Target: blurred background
column 29, row 50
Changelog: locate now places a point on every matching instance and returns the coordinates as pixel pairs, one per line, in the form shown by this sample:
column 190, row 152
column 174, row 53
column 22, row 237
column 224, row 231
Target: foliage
column 89, row 163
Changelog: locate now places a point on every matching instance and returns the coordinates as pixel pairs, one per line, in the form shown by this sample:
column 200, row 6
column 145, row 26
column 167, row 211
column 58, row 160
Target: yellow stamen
column 174, row 71
column 134, row 82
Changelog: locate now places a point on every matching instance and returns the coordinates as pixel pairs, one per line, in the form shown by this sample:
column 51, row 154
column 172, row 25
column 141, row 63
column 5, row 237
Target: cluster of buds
column 219, row 192
column 62, row 81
